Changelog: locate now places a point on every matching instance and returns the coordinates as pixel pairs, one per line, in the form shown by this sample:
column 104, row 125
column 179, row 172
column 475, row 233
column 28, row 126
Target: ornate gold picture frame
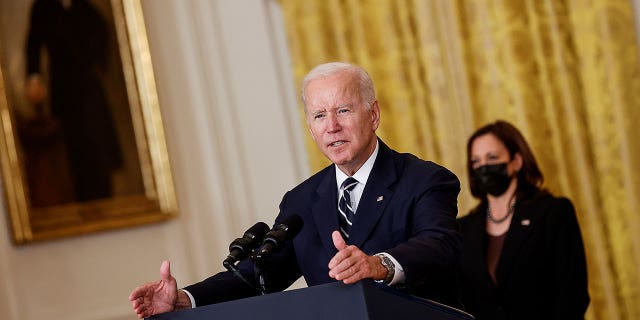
column 40, row 182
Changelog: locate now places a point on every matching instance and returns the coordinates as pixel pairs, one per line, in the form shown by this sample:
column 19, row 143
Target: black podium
column 333, row 301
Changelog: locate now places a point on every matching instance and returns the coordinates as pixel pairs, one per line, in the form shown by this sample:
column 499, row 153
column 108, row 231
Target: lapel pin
column 525, row 222
column 380, row 198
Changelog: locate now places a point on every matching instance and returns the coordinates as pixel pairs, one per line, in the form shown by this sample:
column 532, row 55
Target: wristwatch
column 390, row 266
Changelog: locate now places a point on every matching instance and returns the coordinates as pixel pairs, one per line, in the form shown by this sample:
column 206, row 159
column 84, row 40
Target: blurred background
column 565, row 72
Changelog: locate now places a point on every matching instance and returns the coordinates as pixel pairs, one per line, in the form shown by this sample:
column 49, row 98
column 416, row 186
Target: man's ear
column 375, row 114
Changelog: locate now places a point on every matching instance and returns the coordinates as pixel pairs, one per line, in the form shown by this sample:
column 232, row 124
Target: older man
column 374, row 213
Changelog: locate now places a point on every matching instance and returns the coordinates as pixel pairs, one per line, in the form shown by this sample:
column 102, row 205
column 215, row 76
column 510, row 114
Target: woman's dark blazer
column 541, row 272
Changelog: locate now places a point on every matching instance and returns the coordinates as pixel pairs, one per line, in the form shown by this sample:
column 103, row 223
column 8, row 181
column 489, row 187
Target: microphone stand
column 231, row 267
column 258, row 270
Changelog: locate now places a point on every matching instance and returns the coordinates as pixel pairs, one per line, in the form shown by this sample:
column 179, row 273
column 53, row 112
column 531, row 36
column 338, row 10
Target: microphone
column 241, row 247
column 273, row 240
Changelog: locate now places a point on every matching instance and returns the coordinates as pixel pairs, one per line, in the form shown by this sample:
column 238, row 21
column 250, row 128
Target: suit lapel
column 520, row 229
column 375, row 197
column 325, row 210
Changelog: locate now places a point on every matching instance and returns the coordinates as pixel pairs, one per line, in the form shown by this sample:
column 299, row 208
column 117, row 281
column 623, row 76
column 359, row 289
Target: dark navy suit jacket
column 408, row 209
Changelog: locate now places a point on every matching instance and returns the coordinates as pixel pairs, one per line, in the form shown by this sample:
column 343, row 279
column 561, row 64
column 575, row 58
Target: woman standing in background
column 523, row 256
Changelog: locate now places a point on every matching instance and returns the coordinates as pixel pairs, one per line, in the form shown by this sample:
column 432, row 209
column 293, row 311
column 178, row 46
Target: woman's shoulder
column 549, row 204
column 543, row 196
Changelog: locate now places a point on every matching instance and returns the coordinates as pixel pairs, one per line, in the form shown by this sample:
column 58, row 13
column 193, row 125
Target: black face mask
column 492, row 179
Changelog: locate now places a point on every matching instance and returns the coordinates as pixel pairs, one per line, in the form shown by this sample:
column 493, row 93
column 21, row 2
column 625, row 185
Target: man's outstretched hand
column 157, row 296
column 350, row 264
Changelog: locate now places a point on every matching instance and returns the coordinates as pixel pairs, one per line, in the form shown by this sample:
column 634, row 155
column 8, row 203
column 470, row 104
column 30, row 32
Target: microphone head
column 286, row 230
column 291, row 225
column 252, row 238
column 257, row 232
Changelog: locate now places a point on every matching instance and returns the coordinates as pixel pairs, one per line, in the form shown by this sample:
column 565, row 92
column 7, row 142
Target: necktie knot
column 349, row 184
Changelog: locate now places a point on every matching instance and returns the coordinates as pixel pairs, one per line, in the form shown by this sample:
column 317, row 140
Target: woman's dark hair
column 529, row 177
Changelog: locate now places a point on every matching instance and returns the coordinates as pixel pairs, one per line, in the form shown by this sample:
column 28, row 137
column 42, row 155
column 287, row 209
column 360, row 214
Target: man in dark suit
column 395, row 223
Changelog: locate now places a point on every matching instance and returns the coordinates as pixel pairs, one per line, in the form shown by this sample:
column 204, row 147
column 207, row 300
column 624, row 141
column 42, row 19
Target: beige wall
column 230, row 115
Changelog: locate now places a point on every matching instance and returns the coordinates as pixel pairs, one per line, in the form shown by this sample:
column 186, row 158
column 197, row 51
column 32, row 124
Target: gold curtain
column 564, row 71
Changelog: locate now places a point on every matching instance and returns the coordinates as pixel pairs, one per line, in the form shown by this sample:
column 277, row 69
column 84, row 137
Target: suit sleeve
column 434, row 246
column 570, row 292
column 221, row 287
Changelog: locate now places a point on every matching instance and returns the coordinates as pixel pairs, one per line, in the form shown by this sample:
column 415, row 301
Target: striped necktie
column 345, row 206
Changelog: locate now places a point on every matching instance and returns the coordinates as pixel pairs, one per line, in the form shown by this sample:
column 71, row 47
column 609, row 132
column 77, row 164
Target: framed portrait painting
column 82, row 147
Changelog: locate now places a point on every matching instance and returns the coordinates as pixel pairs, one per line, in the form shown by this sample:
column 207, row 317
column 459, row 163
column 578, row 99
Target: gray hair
column 367, row 90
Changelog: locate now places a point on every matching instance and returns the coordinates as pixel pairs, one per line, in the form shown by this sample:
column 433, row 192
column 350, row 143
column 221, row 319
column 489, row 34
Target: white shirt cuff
column 193, row 301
